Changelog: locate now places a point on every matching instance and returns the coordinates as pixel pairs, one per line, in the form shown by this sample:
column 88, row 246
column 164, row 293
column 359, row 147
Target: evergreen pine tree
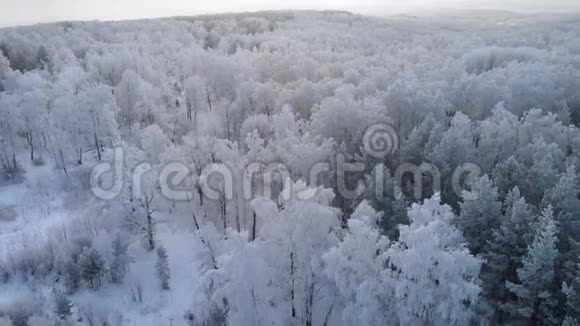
column 72, row 276
column 572, row 293
column 63, row 305
column 480, row 215
column 507, row 247
column 534, row 294
column 563, row 198
column 508, row 174
column 120, row 263
column 92, row 268
column 162, row 268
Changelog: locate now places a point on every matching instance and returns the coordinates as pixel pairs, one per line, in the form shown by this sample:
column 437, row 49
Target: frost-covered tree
column 546, row 162
column 194, row 97
column 92, row 267
column 120, row 261
column 427, row 277
column 200, row 153
column 162, row 268
column 389, row 199
column 507, row 246
column 140, row 220
column 20, row 317
column 278, row 278
column 535, row 298
column 571, row 292
column 97, row 105
column 357, row 266
column 71, row 135
column 153, row 142
column 498, row 138
column 137, row 99
column 4, row 68
column 480, row 214
column 436, row 279
column 412, row 149
column 457, row 145
column 455, row 148
column 63, row 305
column 339, row 118
column 509, row 174
column 33, row 111
column 563, row 198
column 9, row 141
column 72, row 276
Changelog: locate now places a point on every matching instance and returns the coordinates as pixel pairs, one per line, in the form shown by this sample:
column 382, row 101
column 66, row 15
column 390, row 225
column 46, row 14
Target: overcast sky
column 20, row 12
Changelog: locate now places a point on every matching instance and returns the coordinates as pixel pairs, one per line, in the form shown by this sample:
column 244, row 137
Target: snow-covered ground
column 42, row 214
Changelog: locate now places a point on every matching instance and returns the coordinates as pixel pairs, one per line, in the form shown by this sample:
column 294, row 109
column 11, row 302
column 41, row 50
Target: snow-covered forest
column 291, row 169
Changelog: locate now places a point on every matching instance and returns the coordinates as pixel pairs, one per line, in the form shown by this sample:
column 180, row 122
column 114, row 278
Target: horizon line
column 380, row 14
